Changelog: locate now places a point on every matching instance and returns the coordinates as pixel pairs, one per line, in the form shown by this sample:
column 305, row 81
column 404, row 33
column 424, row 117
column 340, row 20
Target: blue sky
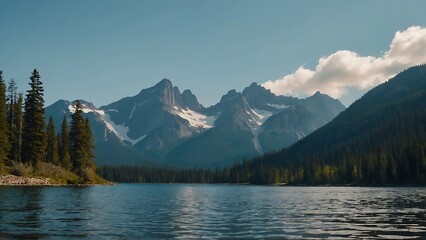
column 103, row 50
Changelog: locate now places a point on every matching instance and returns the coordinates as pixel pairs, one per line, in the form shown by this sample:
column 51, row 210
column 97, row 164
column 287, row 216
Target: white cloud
column 343, row 70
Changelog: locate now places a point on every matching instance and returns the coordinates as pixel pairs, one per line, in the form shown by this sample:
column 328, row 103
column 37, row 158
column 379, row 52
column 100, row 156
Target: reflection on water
column 26, row 217
column 212, row 211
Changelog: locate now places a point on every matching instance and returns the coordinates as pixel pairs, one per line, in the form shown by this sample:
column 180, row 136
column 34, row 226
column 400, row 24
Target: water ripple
column 212, row 212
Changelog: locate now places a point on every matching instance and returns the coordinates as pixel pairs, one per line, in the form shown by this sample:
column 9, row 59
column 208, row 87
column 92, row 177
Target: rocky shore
column 12, row 180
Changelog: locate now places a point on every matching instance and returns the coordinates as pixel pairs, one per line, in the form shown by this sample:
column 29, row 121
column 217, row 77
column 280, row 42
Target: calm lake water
column 146, row 211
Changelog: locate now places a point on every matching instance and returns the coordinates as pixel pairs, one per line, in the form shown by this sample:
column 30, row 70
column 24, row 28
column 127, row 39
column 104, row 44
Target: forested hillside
column 381, row 138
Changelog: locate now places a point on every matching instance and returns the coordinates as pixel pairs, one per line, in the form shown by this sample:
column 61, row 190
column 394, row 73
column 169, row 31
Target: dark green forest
column 29, row 148
column 379, row 139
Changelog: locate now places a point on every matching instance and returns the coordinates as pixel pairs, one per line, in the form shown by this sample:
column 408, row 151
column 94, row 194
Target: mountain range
column 162, row 125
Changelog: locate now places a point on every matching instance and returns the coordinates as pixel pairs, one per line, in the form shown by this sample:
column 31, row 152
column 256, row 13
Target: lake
column 163, row 211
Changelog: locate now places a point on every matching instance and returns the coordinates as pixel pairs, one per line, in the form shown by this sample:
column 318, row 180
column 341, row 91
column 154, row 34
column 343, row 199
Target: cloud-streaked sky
column 103, row 50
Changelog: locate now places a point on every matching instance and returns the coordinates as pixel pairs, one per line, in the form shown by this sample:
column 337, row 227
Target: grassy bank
column 55, row 174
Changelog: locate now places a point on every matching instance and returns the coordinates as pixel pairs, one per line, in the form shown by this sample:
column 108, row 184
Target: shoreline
column 19, row 181
column 410, row 185
column 12, row 180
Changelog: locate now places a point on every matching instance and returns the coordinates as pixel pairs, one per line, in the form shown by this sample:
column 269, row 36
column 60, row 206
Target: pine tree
column 89, row 145
column 52, row 143
column 64, row 145
column 34, row 135
column 78, row 140
column 14, row 120
column 12, row 98
column 4, row 129
column 18, row 119
column 58, row 147
column 81, row 140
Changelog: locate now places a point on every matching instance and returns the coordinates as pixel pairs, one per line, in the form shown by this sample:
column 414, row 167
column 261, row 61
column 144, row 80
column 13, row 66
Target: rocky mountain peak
column 84, row 104
column 256, row 91
column 163, row 91
column 319, row 96
column 190, row 100
column 254, row 87
column 231, row 94
column 164, row 83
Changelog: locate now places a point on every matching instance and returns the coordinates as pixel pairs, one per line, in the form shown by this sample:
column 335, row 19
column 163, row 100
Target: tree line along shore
column 35, row 154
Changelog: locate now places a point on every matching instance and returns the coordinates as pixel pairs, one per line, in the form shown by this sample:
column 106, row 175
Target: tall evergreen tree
column 89, row 145
column 12, row 98
column 15, row 120
column 18, row 119
column 58, row 147
column 4, row 129
column 81, row 140
column 64, row 145
column 34, row 135
column 78, row 140
column 52, row 143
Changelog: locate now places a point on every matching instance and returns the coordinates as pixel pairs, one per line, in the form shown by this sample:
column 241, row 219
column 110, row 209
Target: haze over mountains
column 162, row 125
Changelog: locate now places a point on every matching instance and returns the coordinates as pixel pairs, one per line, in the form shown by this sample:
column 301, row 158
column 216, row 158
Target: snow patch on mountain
column 299, row 136
column 256, row 144
column 257, row 118
column 84, row 109
column 211, row 119
column 120, row 131
column 278, row 106
column 195, row 119
column 71, row 108
column 133, row 110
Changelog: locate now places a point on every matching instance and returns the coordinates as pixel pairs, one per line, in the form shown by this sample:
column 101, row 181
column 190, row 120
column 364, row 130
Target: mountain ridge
column 166, row 126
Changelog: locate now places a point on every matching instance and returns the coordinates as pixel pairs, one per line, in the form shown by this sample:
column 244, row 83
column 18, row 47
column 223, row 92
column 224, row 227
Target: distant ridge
column 381, row 138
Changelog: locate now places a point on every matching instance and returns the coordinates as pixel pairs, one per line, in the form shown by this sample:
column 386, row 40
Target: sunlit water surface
column 163, row 211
